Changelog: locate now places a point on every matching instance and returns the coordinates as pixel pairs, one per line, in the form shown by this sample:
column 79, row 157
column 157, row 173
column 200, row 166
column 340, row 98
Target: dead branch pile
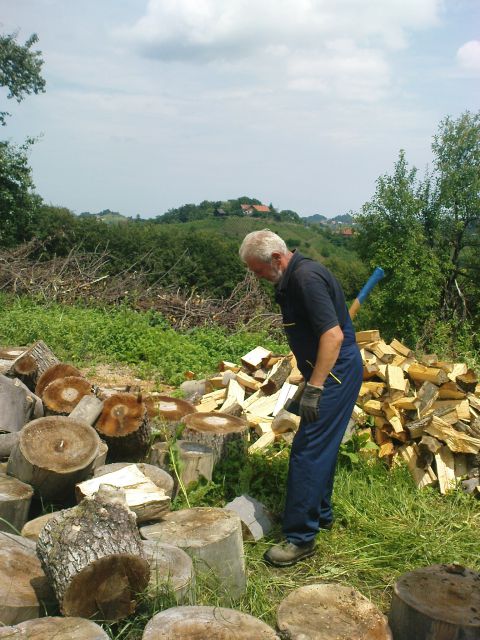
column 88, row 277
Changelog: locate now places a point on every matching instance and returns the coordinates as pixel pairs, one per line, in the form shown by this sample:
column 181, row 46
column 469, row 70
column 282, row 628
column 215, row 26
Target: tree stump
column 57, row 628
column 329, row 612
column 62, row 395
column 124, row 425
column 169, row 411
column 32, row 363
column 15, row 499
column 213, row 538
column 196, row 461
column 53, row 454
column 171, row 569
column 161, row 478
column 440, row 601
column 217, row 431
column 214, row 623
column 31, row 529
column 60, row 370
column 94, row 557
column 16, row 405
column 24, row 588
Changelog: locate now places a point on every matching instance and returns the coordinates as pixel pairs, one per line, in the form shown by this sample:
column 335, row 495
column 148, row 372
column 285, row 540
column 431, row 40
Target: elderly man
column 322, row 338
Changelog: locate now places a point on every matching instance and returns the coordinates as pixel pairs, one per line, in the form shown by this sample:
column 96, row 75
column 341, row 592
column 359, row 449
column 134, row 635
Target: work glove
column 293, row 404
column 309, row 403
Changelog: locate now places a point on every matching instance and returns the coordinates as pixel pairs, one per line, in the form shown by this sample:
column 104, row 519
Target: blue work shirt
column 312, row 302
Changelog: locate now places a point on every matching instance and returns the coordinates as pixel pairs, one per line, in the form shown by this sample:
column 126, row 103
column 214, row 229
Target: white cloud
column 468, row 56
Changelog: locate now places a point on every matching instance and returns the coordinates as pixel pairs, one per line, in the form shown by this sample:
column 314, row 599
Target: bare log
column 32, row 364
column 216, row 430
column 15, row 499
column 32, row 528
column 214, row 623
column 87, row 410
column 171, row 569
column 440, row 601
column 57, row 628
column 53, row 454
column 213, row 537
column 334, row 611
column 125, row 427
column 7, row 442
column 62, row 395
column 196, row 461
column 60, row 370
column 94, row 558
column 16, row 404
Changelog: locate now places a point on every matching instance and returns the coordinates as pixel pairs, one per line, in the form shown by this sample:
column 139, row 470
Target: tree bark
column 440, row 601
column 215, row 430
column 211, row 536
column 125, row 427
column 32, row 364
column 94, row 558
column 62, row 395
column 53, row 454
column 214, row 623
column 171, row 570
column 15, row 499
column 24, row 589
column 16, row 404
column 331, row 611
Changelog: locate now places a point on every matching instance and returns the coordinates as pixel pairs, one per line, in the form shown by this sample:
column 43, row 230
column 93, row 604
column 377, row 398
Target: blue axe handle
column 376, row 276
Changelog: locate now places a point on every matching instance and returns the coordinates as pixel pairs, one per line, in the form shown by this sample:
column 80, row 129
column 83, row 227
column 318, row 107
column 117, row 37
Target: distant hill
column 318, row 218
column 107, row 216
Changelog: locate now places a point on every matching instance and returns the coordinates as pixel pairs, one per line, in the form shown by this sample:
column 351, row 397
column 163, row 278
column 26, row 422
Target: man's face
column 270, row 271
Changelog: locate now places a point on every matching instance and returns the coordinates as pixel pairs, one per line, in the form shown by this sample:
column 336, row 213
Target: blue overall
column 315, row 447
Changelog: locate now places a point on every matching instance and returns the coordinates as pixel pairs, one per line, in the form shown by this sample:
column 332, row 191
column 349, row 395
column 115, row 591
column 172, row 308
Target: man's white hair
column 261, row 245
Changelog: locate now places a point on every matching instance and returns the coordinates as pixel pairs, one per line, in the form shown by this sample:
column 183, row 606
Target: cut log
column 62, row 395
column 216, row 430
column 329, row 612
column 234, row 399
column 401, row 348
column 60, row 370
column 278, row 375
column 102, row 453
column 24, row 589
column 264, row 406
column 419, row 373
column 93, row 557
column 168, row 409
column 285, row 421
column 212, row 537
column 171, row 570
column 257, row 521
column 142, row 496
column 16, row 405
column 247, row 381
column 32, row 528
column 158, row 476
column 253, row 359
column 383, row 352
column 15, row 499
column 214, row 623
column 467, row 381
column 33, row 363
column 158, row 455
column 211, row 401
column 372, row 335
column 456, row 441
column 87, row 410
column 53, row 454
column 440, row 601
column 196, row 461
column 125, row 427
column 7, row 442
column 58, row 628
column 450, row 391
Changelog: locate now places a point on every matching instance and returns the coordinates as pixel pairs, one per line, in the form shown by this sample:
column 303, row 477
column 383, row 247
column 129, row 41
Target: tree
column 20, row 69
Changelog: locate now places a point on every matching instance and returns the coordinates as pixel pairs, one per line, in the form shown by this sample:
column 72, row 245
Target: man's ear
column 276, row 256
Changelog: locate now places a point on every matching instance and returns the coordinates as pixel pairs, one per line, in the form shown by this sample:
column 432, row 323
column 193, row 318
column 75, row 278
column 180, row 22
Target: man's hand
column 309, row 403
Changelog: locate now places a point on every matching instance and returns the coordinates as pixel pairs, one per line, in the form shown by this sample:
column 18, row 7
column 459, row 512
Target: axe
column 376, row 276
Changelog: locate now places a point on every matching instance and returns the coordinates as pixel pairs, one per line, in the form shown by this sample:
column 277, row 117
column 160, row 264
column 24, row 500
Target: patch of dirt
column 108, row 376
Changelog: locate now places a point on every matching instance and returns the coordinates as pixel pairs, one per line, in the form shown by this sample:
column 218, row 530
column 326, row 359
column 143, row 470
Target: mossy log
column 330, row 611
column 440, row 601
column 94, row 557
column 60, row 370
column 62, row 395
column 213, row 537
column 53, row 454
column 214, row 623
column 217, row 431
column 125, row 427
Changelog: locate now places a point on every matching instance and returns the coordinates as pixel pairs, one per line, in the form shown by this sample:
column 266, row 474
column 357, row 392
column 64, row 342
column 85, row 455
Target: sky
column 151, row 104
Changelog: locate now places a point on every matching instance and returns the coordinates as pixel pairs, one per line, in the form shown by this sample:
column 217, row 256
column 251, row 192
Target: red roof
column 261, row 208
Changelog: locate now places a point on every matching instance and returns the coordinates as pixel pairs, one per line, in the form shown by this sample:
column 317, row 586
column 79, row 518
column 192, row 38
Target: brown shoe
column 288, row 554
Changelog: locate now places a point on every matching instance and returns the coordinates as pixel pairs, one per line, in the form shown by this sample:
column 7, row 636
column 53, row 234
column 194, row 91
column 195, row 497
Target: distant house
column 249, row 209
column 347, row 232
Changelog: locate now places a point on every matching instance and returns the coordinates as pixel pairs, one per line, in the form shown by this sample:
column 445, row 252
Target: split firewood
column 395, row 379
column 421, row 477
column 401, row 348
column 253, row 359
column 450, row 391
column 12, row 353
column 32, row 363
column 442, row 600
column 171, row 569
column 467, row 381
column 59, row 628
column 385, row 353
column 24, row 589
column 161, row 478
column 214, row 623
column 264, row 406
column 16, row 404
column 420, row 373
column 277, row 376
column 142, row 495
column 125, row 427
column 213, row 538
column 393, row 416
column 234, row 399
column 457, row 442
column 337, row 610
column 211, row 401
column 216, row 430
column 445, row 464
column 15, row 499
column 259, row 424
column 260, row 375
column 60, row 370
column 93, row 557
column 247, row 381
column 427, row 395
column 62, row 395
column 53, row 454
column 285, row 421
column 263, row 442
column 228, row 366
column 367, row 336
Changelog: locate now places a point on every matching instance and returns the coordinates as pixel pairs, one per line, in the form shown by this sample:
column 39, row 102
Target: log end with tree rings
column 214, row 623
column 53, row 454
column 216, row 430
column 58, row 628
column 61, row 370
column 171, row 571
column 167, row 408
column 330, row 611
column 62, row 395
column 440, row 601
